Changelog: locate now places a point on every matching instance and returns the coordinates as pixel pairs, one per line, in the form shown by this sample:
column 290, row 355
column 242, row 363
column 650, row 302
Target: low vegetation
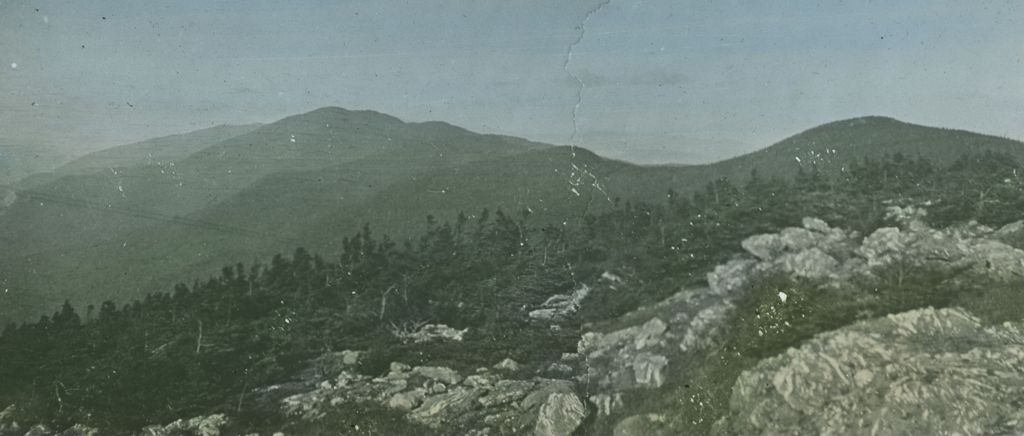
column 202, row 348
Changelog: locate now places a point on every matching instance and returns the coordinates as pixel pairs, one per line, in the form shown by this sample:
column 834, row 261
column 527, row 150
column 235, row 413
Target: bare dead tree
column 406, row 329
column 199, row 337
column 384, row 300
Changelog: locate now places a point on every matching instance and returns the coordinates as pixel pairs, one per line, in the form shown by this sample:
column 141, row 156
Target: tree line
column 204, row 347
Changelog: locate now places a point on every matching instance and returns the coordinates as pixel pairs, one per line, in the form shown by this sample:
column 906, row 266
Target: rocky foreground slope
column 925, row 371
column 922, row 371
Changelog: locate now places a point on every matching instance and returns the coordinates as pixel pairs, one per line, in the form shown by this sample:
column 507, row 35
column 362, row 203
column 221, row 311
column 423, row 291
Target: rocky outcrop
column 199, row 426
column 39, row 430
column 651, row 424
column 80, row 430
column 440, row 397
column 925, row 371
column 642, row 354
column 9, row 421
column 420, row 332
column 560, row 414
column 817, row 251
column 975, row 248
column 436, row 332
column 10, row 426
column 335, row 362
column 560, row 306
column 507, row 364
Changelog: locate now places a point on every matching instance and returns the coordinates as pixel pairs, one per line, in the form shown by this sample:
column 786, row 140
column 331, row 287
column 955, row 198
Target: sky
column 649, row 81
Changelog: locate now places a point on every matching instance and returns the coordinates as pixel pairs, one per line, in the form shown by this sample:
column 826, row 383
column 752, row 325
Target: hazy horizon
column 646, row 81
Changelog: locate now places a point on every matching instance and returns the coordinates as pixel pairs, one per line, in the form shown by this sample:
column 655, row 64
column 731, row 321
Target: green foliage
column 202, row 348
column 763, row 325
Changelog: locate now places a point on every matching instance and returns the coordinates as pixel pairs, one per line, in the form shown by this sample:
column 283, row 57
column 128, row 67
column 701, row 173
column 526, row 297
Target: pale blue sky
column 666, row 81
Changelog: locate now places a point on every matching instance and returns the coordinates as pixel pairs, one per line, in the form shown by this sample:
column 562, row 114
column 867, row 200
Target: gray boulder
column 407, row 400
column 1011, row 234
column 8, row 422
column 728, row 278
column 437, row 332
column 439, row 409
column 764, row 247
column 438, row 397
column 398, row 369
column 39, row 430
column 507, row 364
column 560, row 306
column 795, row 239
column 80, row 430
column 560, row 415
column 199, row 426
column 438, row 373
column 812, row 263
column 920, row 372
column 506, row 392
column 651, row 424
column 332, row 364
column 648, row 367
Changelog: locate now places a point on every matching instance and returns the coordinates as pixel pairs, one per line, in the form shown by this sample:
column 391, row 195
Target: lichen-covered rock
column 624, row 358
column 439, row 409
column 543, row 388
column 507, row 364
column 80, row 430
column 437, row 332
column 560, row 368
column 435, row 396
column 883, row 246
column 1011, row 234
column 705, row 326
column 8, row 420
column 637, row 337
column 730, row 277
column 332, row 364
column 640, row 356
column 560, row 306
column 817, row 251
column 974, row 247
column 606, row 403
column 651, row 424
column 408, row 400
column 438, row 373
column 505, row 392
column 812, row 263
column 764, row 247
column 199, row 426
column 560, row 415
column 925, row 371
column 647, row 368
column 39, row 430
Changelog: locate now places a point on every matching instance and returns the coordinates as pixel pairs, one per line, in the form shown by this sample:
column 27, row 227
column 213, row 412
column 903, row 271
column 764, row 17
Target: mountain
column 746, row 316
column 117, row 232
column 18, row 161
column 312, row 179
column 157, row 151
column 835, row 145
column 829, row 148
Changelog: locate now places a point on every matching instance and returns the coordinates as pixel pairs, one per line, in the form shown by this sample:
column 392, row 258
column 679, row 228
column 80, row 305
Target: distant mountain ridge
column 834, row 145
column 314, row 178
column 18, row 161
column 112, row 231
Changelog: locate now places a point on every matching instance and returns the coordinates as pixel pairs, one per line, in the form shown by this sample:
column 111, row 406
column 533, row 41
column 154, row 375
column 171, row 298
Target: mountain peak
column 871, row 121
column 339, row 114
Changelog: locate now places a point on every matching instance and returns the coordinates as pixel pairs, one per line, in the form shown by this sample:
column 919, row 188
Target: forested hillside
column 244, row 193
column 211, row 346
